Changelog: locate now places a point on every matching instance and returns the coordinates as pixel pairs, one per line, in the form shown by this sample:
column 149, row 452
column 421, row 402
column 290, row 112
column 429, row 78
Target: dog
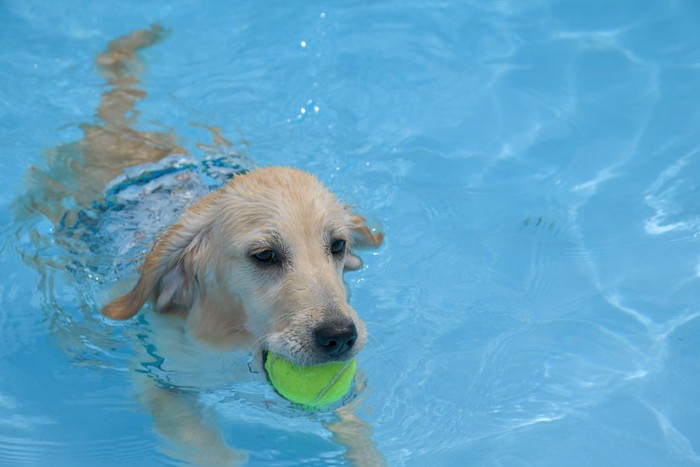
column 256, row 265
column 259, row 263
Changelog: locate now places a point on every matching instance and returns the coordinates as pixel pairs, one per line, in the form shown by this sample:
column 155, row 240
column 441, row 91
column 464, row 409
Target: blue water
column 534, row 165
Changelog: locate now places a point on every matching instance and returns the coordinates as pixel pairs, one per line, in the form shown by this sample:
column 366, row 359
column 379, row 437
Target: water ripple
column 30, row 451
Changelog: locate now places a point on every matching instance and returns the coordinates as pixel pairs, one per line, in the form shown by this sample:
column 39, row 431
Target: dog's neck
column 219, row 319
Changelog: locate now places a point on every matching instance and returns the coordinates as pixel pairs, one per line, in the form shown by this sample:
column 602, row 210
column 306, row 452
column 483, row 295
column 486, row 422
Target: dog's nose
column 336, row 339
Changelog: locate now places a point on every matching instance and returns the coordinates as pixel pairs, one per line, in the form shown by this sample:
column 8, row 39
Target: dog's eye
column 338, row 247
column 267, row 256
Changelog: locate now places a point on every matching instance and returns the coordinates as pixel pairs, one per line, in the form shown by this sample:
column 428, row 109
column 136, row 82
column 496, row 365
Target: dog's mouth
column 337, row 340
column 307, row 360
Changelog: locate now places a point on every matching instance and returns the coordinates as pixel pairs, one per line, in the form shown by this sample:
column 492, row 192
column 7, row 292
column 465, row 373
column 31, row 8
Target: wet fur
column 200, row 269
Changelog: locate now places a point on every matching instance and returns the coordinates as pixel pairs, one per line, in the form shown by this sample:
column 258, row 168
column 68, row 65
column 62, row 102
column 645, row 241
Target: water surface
column 534, row 165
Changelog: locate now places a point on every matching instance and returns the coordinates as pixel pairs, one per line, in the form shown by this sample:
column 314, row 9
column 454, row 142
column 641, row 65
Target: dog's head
column 260, row 259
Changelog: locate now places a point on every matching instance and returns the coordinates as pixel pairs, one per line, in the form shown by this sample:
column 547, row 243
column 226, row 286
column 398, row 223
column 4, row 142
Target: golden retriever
column 257, row 264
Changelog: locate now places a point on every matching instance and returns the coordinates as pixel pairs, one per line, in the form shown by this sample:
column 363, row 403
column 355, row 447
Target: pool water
column 534, row 165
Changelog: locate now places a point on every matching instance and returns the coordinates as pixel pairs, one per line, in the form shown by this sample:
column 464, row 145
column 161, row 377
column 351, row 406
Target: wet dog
column 259, row 263
column 255, row 265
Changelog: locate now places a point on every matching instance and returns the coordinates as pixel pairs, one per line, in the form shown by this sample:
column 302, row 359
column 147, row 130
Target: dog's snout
column 336, row 338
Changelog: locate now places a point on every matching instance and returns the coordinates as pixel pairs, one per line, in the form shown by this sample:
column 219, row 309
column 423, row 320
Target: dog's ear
column 169, row 273
column 362, row 237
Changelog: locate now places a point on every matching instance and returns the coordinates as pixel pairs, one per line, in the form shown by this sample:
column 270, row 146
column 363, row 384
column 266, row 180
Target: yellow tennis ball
column 312, row 386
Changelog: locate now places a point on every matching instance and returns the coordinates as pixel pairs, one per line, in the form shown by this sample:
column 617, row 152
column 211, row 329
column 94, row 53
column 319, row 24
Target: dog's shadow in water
column 73, row 178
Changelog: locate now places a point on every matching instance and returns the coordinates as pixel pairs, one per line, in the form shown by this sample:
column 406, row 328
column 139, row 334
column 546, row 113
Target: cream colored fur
column 203, row 266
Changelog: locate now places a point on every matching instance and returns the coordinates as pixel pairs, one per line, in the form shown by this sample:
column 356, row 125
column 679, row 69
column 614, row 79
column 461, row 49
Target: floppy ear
column 169, row 274
column 362, row 237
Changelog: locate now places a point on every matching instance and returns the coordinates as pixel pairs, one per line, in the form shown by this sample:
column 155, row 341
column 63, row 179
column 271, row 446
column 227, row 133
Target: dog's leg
column 355, row 434
column 120, row 66
column 177, row 418
column 188, row 431
column 77, row 172
column 106, row 149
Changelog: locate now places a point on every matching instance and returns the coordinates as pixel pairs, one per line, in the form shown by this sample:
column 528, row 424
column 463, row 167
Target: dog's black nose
column 336, row 339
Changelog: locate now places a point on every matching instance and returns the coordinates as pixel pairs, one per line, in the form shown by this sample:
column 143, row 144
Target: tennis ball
column 311, row 386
